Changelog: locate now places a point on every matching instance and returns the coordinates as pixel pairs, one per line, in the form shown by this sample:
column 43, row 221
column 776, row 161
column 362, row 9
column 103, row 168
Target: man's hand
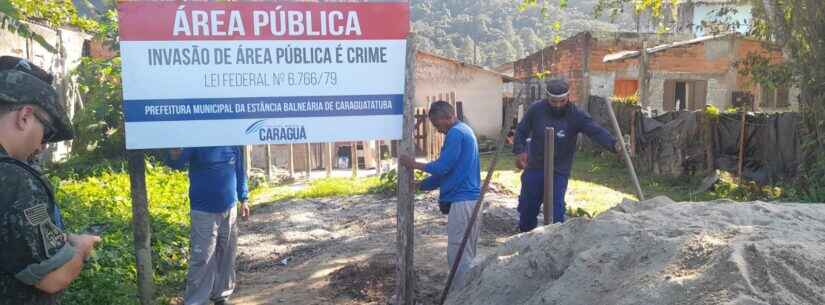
column 521, row 160
column 244, row 209
column 406, row 161
column 175, row 153
column 83, row 242
column 618, row 147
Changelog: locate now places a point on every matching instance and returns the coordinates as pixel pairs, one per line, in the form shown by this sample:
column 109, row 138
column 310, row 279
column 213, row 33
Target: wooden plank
column 268, row 168
column 633, row 133
column 309, row 161
column 741, row 161
column 700, row 95
column 354, row 157
column 669, row 102
column 292, row 160
column 643, row 77
column 378, row 164
column 405, row 216
column 142, row 232
column 328, row 158
column 549, row 170
column 627, row 160
column 586, row 70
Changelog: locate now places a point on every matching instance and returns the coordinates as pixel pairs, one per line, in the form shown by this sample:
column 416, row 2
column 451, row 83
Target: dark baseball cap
column 23, row 83
column 557, row 88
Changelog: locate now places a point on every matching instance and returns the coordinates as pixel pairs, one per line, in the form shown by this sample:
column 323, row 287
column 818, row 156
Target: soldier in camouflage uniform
column 38, row 259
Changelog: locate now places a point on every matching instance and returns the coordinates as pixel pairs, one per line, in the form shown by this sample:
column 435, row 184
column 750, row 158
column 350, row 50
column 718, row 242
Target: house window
column 767, row 98
column 684, row 95
column 773, row 98
column 625, row 87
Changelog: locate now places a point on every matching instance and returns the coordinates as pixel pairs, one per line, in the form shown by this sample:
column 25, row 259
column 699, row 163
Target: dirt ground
column 342, row 250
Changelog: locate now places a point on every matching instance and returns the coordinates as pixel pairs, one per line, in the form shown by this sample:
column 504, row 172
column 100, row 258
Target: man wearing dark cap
column 38, row 259
column 568, row 121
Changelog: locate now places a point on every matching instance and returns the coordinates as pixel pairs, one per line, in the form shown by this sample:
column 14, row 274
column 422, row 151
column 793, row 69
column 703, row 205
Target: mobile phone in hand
column 96, row 229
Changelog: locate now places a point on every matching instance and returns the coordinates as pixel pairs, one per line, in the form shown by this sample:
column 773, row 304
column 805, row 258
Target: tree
column 506, row 52
column 532, row 42
column 467, row 53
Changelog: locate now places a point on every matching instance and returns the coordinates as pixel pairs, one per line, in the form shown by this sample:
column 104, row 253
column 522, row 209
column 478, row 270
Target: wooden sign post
column 140, row 226
column 405, row 213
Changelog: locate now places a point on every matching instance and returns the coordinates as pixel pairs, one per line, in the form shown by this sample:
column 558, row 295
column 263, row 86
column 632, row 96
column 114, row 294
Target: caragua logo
column 276, row 133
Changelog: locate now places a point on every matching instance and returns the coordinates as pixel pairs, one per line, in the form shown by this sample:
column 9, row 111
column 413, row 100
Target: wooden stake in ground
column 549, row 175
column 354, row 157
column 309, row 161
column 292, row 160
column 509, row 111
column 405, row 214
column 741, row 160
column 644, row 83
column 140, row 226
column 328, row 163
column 627, row 160
column 268, row 168
column 378, row 163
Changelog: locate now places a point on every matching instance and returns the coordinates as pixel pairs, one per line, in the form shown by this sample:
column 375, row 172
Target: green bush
column 387, row 184
column 110, row 277
column 630, row 100
column 99, row 125
column 729, row 188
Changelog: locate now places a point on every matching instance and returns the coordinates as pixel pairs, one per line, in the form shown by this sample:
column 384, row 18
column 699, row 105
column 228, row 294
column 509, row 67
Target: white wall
column 479, row 91
column 69, row 44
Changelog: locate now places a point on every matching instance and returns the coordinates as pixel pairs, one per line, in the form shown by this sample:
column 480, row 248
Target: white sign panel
column 233, row 73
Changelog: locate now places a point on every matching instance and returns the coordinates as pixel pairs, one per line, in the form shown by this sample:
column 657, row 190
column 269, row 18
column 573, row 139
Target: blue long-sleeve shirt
column 567, row 129
column 457, row 172
column 217, row 179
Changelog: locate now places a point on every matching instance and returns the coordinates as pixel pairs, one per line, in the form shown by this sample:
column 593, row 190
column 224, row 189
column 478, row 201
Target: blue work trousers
column 531, row 197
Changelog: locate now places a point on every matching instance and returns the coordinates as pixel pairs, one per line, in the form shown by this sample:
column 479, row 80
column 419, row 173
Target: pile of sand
column 661, row 252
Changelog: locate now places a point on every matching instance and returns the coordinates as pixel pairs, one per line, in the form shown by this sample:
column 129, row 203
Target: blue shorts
column 532, row 195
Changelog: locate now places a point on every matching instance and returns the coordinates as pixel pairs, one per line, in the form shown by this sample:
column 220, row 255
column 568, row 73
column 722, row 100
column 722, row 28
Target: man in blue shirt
column 457, row 175
column 217, row 181
column 558, row 112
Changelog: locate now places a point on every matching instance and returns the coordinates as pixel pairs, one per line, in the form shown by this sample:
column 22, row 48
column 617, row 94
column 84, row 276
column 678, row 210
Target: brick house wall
column 695, row 75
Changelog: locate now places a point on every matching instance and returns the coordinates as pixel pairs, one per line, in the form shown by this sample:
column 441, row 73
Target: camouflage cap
column 18, row 86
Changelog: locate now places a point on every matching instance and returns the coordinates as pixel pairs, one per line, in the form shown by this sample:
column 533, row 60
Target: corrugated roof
column 619, row 56
column 468, row 65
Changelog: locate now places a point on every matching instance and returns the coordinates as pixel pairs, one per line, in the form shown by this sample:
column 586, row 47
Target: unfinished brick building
column 683, row 72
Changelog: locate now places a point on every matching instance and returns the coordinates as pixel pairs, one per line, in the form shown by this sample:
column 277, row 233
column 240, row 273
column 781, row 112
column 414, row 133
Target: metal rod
column 627, row 160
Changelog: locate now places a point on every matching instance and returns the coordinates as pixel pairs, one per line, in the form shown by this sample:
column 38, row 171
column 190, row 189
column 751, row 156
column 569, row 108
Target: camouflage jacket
column 32, row 245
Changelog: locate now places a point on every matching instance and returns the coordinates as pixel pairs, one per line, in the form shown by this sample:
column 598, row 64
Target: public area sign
column 232, row 73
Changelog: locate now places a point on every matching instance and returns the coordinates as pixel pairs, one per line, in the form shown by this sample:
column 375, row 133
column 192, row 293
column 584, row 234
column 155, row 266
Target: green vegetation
column 110, row 277
column 600, row 181
column 630, row 100
column 326, row 187
column 493, row 32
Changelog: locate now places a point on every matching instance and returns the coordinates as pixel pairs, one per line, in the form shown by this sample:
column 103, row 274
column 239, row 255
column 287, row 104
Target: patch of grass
column 105, row 198
column 600, row 181
column 326, row 187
